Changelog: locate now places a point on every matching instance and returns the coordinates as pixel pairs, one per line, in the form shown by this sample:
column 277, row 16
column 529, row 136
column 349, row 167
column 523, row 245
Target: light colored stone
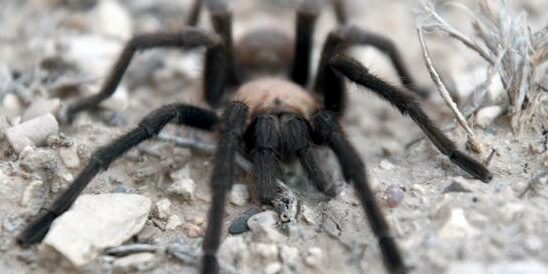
column 273, row 268
column 173, row 222
column 134, row 263
column 32, row 132
column 457, row 226
column 233, row 249
column 31, row 191
column 95, row 222
column 192, row 230
column 386, row 165
column 69, row 156
column 112, row 20
column 239, row 195
column 266, row 251
column 184, row 188
column 487, row 115
column 263, row 226
column 41, row 107
column 161, row 208
column 289, row 254
column 309, row 216
column 313, row 257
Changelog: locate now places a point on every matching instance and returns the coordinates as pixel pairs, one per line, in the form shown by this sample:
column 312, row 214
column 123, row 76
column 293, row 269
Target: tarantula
column 268, row 114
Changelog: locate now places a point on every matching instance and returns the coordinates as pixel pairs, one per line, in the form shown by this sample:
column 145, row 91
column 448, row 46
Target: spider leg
column 264, row 145
column 407, row 105
column 188, row 38
column 328, row 131
column 221, row 19
column 348, row 36
column 100, row 160
column 340, row 11
column 296, row 140
column 194, row 14
column 232, row 128
column 307, row 14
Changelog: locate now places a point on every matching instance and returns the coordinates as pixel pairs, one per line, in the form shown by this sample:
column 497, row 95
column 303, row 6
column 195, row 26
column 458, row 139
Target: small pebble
column 184, row 188
column 314, row 257
column 139, row 262
column 273, row 268
column 262, row 221
column 192, row 230
column 457, row 226
column 112, row 20
column 32, row 195
column 455, row 187
column 394, row 196
column 308, row 215
column 268, row 252
column 173, row 222
column 32, row 132
column 239, row 195
column 239, row 225
column 289, row 254
column 69, row 156
column 386, row 165
column 161, row 208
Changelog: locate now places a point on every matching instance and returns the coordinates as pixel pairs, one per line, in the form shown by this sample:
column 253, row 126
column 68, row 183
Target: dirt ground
column 446, row 222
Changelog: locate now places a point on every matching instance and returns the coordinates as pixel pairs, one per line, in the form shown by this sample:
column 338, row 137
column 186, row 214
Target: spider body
column 261, row 84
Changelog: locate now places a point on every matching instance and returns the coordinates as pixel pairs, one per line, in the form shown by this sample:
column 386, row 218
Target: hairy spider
column 266, row 116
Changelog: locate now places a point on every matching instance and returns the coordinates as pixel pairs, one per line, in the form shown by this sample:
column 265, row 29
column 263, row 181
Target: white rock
column 95, row 222
column 94, row 54
column 161, row 208
column 263, row 226
column 239, row 195
column 309, row 216
column 173, row 222
column 386, row 165
column 273, row 268
column 41, row 107
column 457, row 226
column 289, row 254
column 192, row 230
column 30, row 192
column 32, row 132
column 262, row 221
column 134, row 263
column 487, row 115
column 183, row 187
column 69, row 156
column 268, row 252
column 233, row 249
column 183, row 173
column 314, row 257
column 12, row 103
column 112, row 20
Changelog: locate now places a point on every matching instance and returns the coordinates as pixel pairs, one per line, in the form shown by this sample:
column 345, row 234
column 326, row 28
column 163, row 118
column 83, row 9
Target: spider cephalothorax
column 261, row 84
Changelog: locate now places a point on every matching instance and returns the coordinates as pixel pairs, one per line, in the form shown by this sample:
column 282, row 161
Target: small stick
column 490, row 157
column 474, row 144
column 131, row 249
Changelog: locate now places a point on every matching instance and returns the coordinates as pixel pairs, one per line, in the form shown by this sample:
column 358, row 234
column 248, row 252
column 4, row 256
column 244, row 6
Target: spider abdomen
column 273, row 95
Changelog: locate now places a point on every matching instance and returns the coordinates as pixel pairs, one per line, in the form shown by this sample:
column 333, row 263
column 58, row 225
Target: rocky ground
column 146, row 213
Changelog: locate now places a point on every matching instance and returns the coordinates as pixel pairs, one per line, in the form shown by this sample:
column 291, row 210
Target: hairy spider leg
column 296, row 140
column 307, row 13
column 188, row 39
column 148, row 127
column 407, row 105
column 328, row 131
column 347, row 36
column 233, row 124
column 221, row 19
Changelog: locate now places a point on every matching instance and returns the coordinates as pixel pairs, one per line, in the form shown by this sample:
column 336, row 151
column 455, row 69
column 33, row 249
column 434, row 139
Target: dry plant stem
column 474, row 144
column 444, row 26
